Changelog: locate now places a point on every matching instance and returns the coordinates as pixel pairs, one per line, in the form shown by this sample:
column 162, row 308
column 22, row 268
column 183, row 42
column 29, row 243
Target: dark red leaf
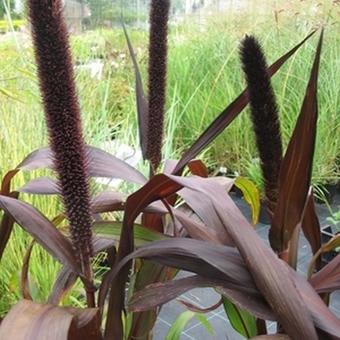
column 87, row 324
column 269, row 274
column 159, row 187
column 160, row 293
column 65, row 281
column 101, row 164
column 67, row 278
column 142, row 104
column 198, row 168
column 37, row 321
column 6, row 227
column 143, row 323
column 41, row 186
column 297, row 320
column 108, row 201
column 211, row 261
column 6, row 182
column 38, row 159
column 327, row 280
column 25, row 289
column 199, row 231
column 206, row 212
column 7, row 221
column 42, row 230
column 296, row 167
column 196, row 309
column 228, row 115
column 323, row 318
column 203, row 258
column 153, row 222
column 311, row 228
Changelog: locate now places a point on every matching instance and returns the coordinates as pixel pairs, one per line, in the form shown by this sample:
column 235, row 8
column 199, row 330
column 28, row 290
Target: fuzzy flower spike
column 159, row 16
column 62, row 112
column 264, row 115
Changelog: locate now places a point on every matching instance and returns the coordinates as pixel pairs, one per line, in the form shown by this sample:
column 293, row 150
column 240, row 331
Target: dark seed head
column 264, row 115
column 159, row 16
column 62, row 112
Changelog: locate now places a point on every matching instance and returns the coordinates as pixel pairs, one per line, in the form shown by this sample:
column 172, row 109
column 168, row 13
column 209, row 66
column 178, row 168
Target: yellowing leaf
column 333, row 243
column 251, row 195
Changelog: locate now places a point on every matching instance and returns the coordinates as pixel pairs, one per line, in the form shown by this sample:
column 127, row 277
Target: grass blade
column 243, row 322
column 142, row 103
column 182, row 320
column 296, row 167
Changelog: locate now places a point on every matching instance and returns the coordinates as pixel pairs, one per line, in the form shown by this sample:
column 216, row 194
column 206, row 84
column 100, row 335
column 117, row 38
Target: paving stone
column 161, row 329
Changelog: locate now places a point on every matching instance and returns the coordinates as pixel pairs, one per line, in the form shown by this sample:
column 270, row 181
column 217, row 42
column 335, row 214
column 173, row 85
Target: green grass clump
column 6, row 25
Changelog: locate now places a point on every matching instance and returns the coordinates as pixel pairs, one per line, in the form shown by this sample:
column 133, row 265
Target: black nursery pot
column 326, row 234
column 264, row 216
column 329, row 191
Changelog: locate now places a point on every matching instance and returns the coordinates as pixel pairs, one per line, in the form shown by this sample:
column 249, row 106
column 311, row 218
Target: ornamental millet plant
column 227, row 255
column 62, row 113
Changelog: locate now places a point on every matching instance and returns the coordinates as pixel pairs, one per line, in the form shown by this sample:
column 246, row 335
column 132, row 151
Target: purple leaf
column 41, row 186
column 42, row 230
column 296, row 167
column 160, row 293
column 142, row 103
column 101, row 164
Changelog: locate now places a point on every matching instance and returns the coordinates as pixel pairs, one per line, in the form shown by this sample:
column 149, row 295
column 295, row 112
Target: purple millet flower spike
column 62, row 112
column 264, row 115
column 159, row 16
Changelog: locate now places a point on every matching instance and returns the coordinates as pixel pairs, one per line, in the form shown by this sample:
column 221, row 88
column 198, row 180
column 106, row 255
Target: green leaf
column 112, row 229
column 251, row 196
column 178, row 326
column 182, row 320
column 205, row 323
column 241, row 320
column 8, row 94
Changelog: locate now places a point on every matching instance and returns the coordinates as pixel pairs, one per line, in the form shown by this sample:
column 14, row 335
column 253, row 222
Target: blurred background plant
column 203, row 57
column 335, row 219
